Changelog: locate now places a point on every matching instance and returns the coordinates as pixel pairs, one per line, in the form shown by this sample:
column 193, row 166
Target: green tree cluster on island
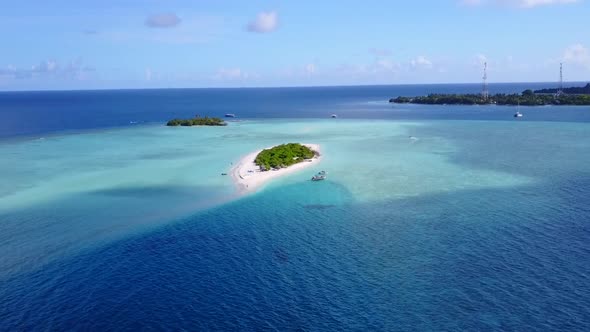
column 283, row 155
column 526, row 98
column 440, row 99
column 197, row 121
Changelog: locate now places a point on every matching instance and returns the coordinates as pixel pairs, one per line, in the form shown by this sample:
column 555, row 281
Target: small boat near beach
column 333, row 116
column 230, row 115
column 320, row 176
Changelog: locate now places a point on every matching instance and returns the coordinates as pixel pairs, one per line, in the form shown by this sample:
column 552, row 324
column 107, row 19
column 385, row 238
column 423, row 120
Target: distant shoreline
column 526, row 98
column 248, row 177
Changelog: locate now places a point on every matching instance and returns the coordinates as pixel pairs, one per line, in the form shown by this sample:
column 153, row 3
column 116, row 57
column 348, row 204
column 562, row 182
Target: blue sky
column 166, row 43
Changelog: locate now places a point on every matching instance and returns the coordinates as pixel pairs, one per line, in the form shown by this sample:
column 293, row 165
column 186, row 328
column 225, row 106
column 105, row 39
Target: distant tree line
column 573, row 90
column 197, row 121
column 527, row 98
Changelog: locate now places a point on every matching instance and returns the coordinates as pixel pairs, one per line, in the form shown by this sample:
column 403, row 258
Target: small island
column 197, row 121
column 261, row 166
column 283, row 155
column 526, row 98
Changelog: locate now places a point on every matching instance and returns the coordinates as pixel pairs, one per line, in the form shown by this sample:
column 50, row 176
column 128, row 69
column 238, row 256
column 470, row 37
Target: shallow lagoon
column 105, row 184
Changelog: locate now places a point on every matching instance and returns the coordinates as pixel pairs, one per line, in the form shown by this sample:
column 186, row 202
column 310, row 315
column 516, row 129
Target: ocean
column 432, row 218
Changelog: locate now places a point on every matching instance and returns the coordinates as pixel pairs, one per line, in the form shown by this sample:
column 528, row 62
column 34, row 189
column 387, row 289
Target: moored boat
column 320, row 176
column 518, row 114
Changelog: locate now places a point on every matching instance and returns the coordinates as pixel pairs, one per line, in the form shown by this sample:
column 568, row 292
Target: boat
column 230, row 115
column 333, row 116
column 518, row 114
column 320, row 176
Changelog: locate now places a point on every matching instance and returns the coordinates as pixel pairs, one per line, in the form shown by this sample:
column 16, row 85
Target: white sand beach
column 248, row 176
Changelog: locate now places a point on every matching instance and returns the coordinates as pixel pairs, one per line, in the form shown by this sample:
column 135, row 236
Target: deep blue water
column 500, row 259
column 37, row 113
column 307, row 257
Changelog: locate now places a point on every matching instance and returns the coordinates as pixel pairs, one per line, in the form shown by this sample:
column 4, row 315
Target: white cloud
column 298, row 71
column 310, row 69
column 421, row 62
column 74, row 69
column 471, row 2
column 46, row 66
column 517, row 3
column 164, row 20
column 381, row 70
column 383, row 64
column 230, row 74
column 536, row 3
column 577, row 54
column 264, row 22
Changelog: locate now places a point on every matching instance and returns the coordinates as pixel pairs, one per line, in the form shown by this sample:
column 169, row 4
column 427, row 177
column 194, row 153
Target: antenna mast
column 560, row 89
column 484, row 90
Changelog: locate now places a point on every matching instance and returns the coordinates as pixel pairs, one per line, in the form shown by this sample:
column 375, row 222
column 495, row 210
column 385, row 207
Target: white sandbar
column 248, row 176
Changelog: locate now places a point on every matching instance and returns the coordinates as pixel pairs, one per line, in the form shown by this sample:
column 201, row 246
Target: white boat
column 333, row 116
column 320, row 176
column 518, row 114
column 230, row 115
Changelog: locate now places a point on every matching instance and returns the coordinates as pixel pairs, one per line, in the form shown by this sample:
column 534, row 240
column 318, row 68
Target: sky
column 58, row 44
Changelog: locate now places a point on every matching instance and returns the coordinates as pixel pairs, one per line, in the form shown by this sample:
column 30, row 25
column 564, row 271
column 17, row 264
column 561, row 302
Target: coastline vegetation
column 197, row 121
column 572, row 90
column 527, row 98
column 283, row 155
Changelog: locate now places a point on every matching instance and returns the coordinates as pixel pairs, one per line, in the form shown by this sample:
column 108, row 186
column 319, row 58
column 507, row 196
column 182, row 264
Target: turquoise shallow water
column 85, row 188
column 477, row 225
